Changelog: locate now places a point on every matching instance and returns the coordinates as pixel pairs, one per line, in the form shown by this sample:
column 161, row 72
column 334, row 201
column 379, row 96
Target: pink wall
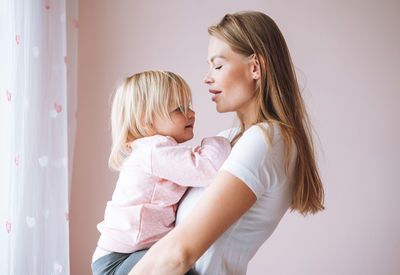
column 347, row 57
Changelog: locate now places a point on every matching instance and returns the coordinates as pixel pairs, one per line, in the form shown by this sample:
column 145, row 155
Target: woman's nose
column 207, row 79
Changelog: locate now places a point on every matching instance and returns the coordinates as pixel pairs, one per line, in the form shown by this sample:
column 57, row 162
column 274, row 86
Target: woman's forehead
column 217, row 49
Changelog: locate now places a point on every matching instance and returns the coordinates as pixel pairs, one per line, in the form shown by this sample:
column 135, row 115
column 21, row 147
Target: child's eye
column 179, row 109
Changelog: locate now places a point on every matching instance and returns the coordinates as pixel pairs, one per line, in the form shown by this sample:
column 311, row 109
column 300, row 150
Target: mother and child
column 242, row 181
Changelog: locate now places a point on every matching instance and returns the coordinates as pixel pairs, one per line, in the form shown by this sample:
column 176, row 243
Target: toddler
column 151, row 117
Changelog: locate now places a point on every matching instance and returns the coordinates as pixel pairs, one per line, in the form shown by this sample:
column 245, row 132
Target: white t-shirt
column 262, row 168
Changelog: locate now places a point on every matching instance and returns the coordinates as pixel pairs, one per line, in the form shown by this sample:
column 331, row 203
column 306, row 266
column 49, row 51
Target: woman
column 272, row 164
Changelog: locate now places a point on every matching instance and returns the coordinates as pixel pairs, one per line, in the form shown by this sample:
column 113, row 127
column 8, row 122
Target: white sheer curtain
column 37, row 129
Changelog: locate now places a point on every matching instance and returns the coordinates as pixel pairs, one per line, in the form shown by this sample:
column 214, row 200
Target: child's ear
column 149, row 128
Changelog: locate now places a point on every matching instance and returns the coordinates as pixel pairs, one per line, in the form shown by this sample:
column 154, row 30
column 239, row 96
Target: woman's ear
column 256, row 67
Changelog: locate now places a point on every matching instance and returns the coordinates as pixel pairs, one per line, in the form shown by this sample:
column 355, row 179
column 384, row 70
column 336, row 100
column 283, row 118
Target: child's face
column 179, row 126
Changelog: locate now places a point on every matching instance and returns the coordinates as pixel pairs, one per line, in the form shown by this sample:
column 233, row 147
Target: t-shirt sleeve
column 247, row 157
column 188, row 166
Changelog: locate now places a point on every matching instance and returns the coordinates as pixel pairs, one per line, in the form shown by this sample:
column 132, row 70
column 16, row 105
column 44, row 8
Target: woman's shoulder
column 254, row 128
column 229, row 133
column 261, row 135
column 260, row 132
column 263, row 128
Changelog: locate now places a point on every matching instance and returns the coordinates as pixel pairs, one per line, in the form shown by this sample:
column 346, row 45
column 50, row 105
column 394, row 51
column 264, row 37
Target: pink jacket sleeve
column 188, row 166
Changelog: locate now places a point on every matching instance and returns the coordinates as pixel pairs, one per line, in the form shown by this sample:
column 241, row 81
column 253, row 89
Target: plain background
column 347, row 58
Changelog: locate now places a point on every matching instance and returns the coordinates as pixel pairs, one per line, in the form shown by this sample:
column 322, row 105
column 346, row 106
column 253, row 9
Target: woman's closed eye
column 218, row 67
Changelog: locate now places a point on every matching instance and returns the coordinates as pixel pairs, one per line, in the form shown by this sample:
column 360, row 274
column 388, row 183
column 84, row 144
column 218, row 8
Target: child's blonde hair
column 139, row 99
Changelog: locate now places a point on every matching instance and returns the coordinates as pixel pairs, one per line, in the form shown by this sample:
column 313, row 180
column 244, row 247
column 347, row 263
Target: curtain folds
column 37, row 130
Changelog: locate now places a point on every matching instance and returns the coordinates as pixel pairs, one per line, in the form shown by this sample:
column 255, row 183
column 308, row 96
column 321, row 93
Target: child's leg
column 191, row 272
column 125, row 267
column 133, row 259
column 109, row 263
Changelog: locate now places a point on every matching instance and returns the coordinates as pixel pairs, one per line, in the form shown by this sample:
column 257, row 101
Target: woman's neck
column 248, row 114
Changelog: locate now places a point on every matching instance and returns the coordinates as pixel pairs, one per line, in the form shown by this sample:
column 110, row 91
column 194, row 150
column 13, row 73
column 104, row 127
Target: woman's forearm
column 224, row 201
column 167, row 256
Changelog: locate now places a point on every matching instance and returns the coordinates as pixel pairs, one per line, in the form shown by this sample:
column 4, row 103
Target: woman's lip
column 216, row 94
column 214, row 98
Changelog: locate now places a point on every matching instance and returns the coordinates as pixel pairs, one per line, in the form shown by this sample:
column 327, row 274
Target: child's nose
column 191, row 113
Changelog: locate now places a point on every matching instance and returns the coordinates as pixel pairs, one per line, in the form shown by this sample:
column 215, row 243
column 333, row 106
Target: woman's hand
column 224, row 202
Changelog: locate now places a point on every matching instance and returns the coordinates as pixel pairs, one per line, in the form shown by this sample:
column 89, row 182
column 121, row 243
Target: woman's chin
column 222, row 109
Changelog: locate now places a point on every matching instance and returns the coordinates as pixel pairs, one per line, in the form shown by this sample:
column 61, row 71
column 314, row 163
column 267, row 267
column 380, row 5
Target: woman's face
column 231, row 78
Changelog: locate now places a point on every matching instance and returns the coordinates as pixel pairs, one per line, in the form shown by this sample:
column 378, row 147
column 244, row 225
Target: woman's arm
column 224, row 202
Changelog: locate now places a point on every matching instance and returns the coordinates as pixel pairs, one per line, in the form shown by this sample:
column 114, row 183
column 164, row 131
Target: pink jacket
column 152, row 180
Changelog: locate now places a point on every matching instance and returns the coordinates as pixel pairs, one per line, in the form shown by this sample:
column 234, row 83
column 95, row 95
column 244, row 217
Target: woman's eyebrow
column 216, row 56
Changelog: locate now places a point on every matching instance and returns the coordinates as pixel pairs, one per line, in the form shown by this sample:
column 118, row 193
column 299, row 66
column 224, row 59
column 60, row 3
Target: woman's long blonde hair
column 139, row 99
column 278, row 97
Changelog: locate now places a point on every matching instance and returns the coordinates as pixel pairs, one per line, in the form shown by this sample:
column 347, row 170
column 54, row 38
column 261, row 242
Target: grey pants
column 120, row 263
